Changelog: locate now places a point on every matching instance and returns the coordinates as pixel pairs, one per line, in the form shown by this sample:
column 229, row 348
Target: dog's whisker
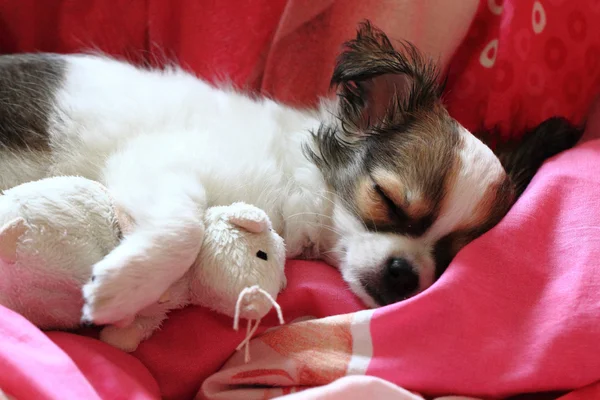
column 353, row 209
column 307, row 213
column 329, row 228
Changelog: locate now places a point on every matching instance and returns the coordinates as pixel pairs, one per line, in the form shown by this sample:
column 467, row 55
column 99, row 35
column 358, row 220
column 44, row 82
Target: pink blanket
column 517, row 310
column 504, row 319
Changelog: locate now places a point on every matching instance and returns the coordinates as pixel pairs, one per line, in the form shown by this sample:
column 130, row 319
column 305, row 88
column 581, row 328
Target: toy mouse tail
column 253, row 304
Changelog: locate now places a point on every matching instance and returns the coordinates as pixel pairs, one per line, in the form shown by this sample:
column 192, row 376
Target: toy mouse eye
column 262, row 254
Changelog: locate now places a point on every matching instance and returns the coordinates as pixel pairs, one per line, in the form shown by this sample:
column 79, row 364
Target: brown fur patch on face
column 493, row 206
column 428, row 156
column 411, row 202
column 407, row 174
column 369, row 204
column 494, row 203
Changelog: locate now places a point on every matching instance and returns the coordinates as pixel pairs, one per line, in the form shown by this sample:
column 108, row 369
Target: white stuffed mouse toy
column 54, row 230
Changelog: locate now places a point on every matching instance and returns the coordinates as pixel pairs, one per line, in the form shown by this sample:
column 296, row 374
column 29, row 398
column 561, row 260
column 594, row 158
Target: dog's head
column 412, row 186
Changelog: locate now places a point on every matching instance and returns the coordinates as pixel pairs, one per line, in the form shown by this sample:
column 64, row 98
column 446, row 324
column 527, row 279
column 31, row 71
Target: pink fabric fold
column 66, row 366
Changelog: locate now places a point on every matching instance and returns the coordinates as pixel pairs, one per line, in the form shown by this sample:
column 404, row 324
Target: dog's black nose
column 400, row 277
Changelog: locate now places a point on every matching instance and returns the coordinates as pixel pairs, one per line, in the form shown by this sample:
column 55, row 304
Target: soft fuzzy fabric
column 51, row 231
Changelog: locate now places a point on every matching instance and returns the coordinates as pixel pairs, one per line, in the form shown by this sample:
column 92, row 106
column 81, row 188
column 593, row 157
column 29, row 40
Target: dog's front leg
column 148, row 260
column 166, row 205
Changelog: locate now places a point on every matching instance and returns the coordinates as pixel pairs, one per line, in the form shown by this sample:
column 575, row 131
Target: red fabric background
column 533, row 76
column 547, row 62
column 214, row 39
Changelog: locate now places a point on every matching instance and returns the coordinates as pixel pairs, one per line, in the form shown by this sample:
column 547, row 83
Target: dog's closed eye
column 414, row 225
column 262, row 255
column 394, row 209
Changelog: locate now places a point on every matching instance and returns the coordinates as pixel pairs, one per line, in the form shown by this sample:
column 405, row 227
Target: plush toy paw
column 126, row 339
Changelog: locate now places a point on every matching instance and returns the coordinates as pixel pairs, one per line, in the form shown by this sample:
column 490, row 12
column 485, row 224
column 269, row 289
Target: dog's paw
column 126, row 339
column 135, row 274
column 115, row 295
column 109, row 302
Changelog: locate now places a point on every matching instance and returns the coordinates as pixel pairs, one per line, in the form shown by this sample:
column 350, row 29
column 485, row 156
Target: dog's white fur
column 168, row 145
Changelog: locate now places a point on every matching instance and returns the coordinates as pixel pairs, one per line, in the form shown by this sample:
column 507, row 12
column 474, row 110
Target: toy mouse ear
column 252, row 219
column 9, row 239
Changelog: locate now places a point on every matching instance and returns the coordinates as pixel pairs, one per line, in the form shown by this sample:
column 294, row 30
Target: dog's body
column 149, row 134
column 387, row 194
column 168, row 146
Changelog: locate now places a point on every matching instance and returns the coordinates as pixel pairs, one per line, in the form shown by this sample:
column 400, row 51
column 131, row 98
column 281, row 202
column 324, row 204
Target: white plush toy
column 54, row 230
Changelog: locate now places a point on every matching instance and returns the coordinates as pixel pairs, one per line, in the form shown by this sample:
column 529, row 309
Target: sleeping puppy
column 381, row 181
column 412, row 185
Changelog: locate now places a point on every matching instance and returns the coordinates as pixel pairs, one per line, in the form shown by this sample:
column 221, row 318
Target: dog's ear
column 521, row 159
column 378, row 84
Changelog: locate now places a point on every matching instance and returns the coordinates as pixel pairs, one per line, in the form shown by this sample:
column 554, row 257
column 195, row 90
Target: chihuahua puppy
column 380, row 181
